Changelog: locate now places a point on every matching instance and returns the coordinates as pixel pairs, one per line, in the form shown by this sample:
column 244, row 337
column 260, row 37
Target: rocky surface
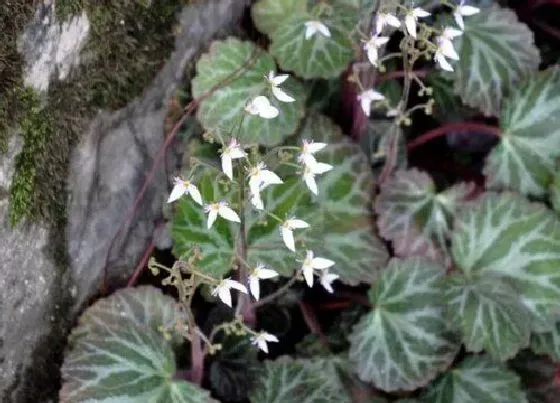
column 38, row 298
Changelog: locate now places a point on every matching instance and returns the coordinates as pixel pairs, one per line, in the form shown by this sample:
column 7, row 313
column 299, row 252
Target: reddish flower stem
column 400, row 74
column 312, row 322
column 144, row 260
column 443, row 130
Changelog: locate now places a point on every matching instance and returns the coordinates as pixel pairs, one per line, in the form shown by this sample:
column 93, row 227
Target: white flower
column 327, row 279
column 372, row 46
column 384, row 19
column 286, row 230
column 259, row 273
column 261, row 106
column 220, row 209
column 261, row 339
column 367, row 97
column 312, row 27
column 449, row 34
column 311, row 263
column 256, row 201
column 231, row 152
column 411, row 19
column 222, row 290
column 445, row 49
column 259, row 178
column 309, row 172
column 274, row 82
column 308, row 148
column 463, row 10
column 182, row 187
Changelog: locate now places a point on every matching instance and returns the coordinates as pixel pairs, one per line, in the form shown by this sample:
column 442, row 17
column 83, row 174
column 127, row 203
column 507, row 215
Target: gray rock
column 38, row 300
column 50, row 47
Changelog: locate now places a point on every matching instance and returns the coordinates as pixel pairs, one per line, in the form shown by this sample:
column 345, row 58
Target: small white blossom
column 308, row 149
column 287, row 228
column 182, row 187
column 449, row 34
column 278, row 92
column 261, row 339
column 312, row 27
column 259, row 273
column 372, row 47
column 367, row 97
column 261, row 106
column 412, row 18
column 327, row 279
column 310, row 263
column 384, row 19
column 231, row 152
column 221, row 209
column 463, row 10
column 309, row 172
column 445, row 50
column 223, row 289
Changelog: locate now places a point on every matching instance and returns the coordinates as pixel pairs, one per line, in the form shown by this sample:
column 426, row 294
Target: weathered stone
column 38, row 299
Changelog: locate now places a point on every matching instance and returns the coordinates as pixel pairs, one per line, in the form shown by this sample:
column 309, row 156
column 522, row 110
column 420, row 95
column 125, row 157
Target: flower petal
column 254, row 287
column 372, row 54
column 270, row 178
column 410, row 24
column 256, row 201
column 321, row 263
column 469, row 10
column 288, row 238
column 227, row 167
column 296, row 223
column 277, row 80
column 178, row 191
column 270, row 337
column 309, row 180
column 459, row 19
column 448, row 50
column 236, row 285
column 280, row 95
column 308, row 275
column 224, row 295
column 323, row 29
column 442, row 62
column 320, row 168
column 212, row 215
column 195, row 194
column 261, row 343
column 313, row 147
column 310, row 29
column 227, row 213
column 267, row 273
column 419, row 12
column 392, row 21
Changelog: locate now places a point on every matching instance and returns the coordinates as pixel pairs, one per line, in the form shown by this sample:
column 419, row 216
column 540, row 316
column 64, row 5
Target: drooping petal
column 442, row 62
column 269, row 113
column 256, row 201
column 308, row 274
column 195, row 194
column 224, row 294
column 323, row 29
column 227, row 167
column 321, row 263
column 310, row 29
column 261, row 344
column 280, row 95
column 459, row 19
column 410, row 24
column 393, row 21
column 227, row 213
column 235, row 285
column 365, row 104
column 327, row 280
column 254, row 287
column 288, row 238
column 178, row 191
column 212, row 216
column 372, row 54
column 448, row 50
column 309, row 180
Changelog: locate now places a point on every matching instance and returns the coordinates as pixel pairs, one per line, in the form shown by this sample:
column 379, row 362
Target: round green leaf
column 269, row 14
column 124, row 363
column 316, row 57
column 404, row 342
column 340, row 217
column 547, row 342
column 477, row 379
column 496, row 51
column 504, row 235
column 414, row 216
column 303, row 381
column 233, row 72
column 488, row 314
column 525, row 159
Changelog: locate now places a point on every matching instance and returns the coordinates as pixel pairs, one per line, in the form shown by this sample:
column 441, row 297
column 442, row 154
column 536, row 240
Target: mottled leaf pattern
column 489, row 315
column 477, row 379
column 547, row 342
column 504, row 235
column 555, row 192
column 414, row 216
column 269, row 14
column 525, row 159
column 233, row 72
column 404, row 342
column 340, row 216
column 496, row 51
column 303, row 381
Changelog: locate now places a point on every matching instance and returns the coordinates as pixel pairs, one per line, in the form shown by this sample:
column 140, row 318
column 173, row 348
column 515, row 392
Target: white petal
column 264, row 108
column 447, row 49
column 270, row 178
column 365, row 104
column 410, row 23
column 459, row 19
column 307, row 159
column 379, row 23
column 254, row 287
column 212, row 215
column 269, row 113
column 310, row 29
column 372, row 54
column 313, row 147
column 419, row 12
column 270, row 337
column 256, row 201
column 308, row 275
column 224, row 295
column 277, row 80
column 267, row 273
column 295, row 223
column 281, row 95
column 236, row 285
column 261, row 343
column 323, row 29
column 309, row 180
column 327, row 279
column 320, row 168
column 321, row 263
column 227, row 167
column 442, row 61
column 288, row 237
column 195, row 194
column 228, row 214
column 392, row 21
column 237, row 152
column 469, row 10
column 450, row 33
column 177, row 192
column 381, row 40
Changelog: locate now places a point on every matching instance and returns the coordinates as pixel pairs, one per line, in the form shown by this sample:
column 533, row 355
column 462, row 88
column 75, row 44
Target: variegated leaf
column 404, row 342
column 504, row 235
column 547, row 343
column 525, row 159
column 496, row 51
